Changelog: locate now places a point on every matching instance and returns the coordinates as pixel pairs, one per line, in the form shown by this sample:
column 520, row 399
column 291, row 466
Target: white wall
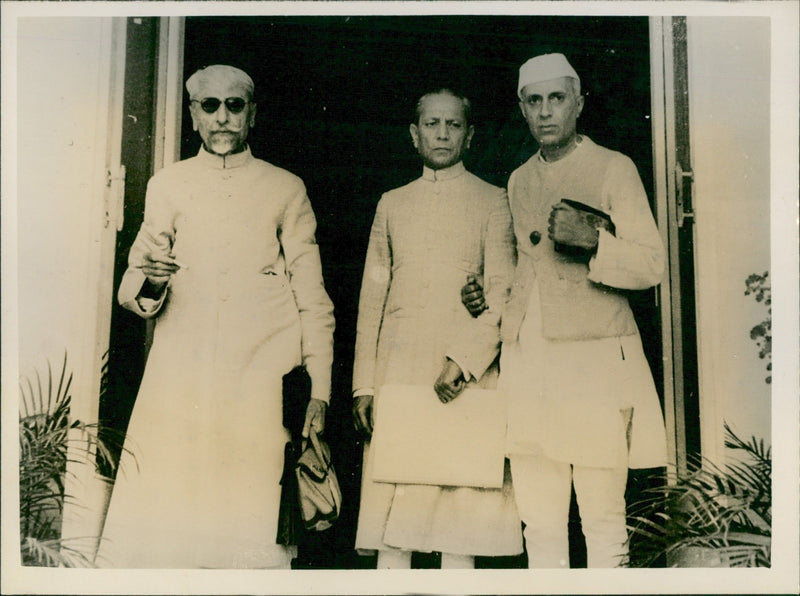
column 62, row 103
column 729, row 95
column 68, row 118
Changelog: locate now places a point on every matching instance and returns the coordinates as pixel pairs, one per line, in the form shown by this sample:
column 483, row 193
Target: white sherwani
column 201, row 488
column 426, row 238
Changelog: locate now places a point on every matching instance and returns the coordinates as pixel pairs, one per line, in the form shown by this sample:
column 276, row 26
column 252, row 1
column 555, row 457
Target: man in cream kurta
column 427, row 238
column 582, row 403
column 227, row 261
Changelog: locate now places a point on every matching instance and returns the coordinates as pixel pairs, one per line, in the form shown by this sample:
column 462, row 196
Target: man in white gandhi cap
column 582, row 403
column 227, row 264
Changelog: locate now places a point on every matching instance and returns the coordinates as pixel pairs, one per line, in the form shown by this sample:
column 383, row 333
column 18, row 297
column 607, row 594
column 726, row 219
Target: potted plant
column 713, row 516
column 47, row 438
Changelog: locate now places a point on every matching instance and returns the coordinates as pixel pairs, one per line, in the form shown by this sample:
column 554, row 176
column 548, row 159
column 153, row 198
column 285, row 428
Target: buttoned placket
column 431, row 209
column 552, row 181
column 433, row 205
column 223, row 278
column 218, row 182
column 541, row 214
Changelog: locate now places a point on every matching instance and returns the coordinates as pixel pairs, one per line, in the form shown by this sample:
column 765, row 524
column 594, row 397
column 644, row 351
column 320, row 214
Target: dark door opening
column 127, row 344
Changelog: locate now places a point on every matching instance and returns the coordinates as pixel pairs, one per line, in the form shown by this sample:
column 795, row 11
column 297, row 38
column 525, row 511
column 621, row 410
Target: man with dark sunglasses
column 223, row 122
column 227, row 261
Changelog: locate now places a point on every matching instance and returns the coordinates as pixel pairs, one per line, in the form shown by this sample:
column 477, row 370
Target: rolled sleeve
column 634, row 258
column 130, row 298
column 468, row 376
column 156, row 235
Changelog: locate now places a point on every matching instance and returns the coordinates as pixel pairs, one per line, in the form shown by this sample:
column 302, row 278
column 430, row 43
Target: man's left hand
column 568, row 226
column 315, row 416
column 450, row 382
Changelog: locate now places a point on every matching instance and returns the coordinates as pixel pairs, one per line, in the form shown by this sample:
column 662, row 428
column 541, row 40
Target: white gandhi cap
column 544, row 68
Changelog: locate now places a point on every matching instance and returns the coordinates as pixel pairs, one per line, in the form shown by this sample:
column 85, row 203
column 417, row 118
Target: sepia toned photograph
column 399, row 298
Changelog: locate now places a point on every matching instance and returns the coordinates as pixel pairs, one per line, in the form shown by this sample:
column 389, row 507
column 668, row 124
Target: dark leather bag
column 296, row 395
column 311, row 498
column 317, row 485
column 290, row 522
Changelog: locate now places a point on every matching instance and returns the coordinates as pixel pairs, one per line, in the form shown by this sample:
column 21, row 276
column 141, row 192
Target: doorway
column 335, row 96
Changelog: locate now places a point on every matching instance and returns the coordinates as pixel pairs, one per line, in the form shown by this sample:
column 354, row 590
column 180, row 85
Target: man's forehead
column 562, row 84
column 220, row 88
column 442, row 104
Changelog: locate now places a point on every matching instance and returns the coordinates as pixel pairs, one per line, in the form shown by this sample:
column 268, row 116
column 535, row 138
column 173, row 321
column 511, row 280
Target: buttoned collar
column 224, row 162
column 453, row 171
column 580, row 141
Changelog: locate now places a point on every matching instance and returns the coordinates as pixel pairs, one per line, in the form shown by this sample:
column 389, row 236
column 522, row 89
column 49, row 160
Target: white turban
column 544, row 68
column 220, row 72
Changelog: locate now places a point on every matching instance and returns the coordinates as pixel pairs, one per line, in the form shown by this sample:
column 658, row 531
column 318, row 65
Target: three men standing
column 245, row 302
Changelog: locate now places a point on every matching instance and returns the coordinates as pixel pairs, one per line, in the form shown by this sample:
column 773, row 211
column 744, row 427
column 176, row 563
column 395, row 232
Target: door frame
column 663, row 85
column 169, row 92
column 673, row 186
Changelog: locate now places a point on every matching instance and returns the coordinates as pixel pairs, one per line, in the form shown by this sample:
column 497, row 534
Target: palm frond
column 52, row 553
column 725, row 508
column 41, row 553
column 50, row 439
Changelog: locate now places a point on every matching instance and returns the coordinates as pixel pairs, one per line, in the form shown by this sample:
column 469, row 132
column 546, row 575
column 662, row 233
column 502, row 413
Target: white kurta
column 201, row 485
column 572, row 361
column 572, row 401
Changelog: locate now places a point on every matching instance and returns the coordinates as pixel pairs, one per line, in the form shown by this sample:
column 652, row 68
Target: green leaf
column 726, row 508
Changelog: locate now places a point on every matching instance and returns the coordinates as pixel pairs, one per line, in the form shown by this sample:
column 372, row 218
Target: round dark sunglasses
column 211, row 104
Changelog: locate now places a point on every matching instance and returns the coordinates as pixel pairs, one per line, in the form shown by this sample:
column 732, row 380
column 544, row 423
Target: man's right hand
column 364, row 414
column 158, row 268
column 472, row 296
